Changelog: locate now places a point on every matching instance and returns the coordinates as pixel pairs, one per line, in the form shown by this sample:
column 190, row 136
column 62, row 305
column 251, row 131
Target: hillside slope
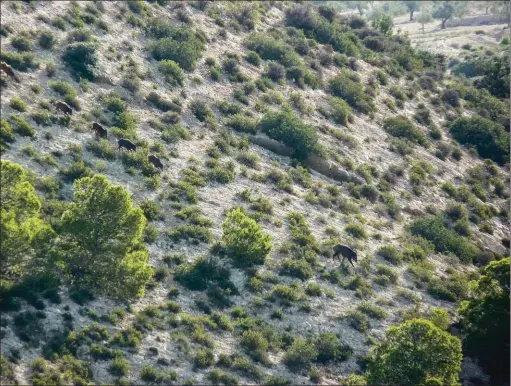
column 211, row 133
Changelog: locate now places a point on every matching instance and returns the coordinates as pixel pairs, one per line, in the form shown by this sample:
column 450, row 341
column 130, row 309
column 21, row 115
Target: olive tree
column 412, row 7
column 423, row 18
column 485, row 321
column 415, row 353
column 102, row 233
column 446, row 10
column 21, row 227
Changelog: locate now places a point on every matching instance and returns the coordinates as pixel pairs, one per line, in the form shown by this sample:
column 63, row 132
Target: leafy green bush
column 270, row 48
column 300, row 355
column 391, row 254
column 201, row 110
column 21, row 43
column 21, row 62
column 18, row 104
column 372, row 310
column 119, row 367
column 202, row 273
column 172, row 72
column 22, row 127
column 340, row 111
column 102, row 149
column 356, row 230
column 82, row 58
column 255, row 344
column 432, row 228
column 204, row 358
column 291, row 131
column 6, row 135
column 401, row 127
column 434, row 354
column 331, row 349
column 253, row 58
column 47, row 40
column 177, row 43
column 345, row 86
column 240, row 122
column 244, row 239
column 489, row 138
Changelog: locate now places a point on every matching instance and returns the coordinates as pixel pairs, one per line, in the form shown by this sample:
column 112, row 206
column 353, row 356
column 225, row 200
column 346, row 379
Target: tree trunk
column 443, row 24
column 486, row 10
column 422, row 28
column 411, row 15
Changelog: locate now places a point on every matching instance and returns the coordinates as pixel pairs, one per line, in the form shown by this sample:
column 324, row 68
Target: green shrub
column 18, row 104
column 47, row 40
column 119, row 367
column 173, row 74
column 20, row 62
column 356, row 230
column 22, row 127
column 357, row 320
column 102, row 149
column 177, row 43
column 331, row 349
column 291, row 131
column 6, row 135
column 201, row 110
column 270, row 48
column 391, row 254
column 255, row 344
column 401, row 127
column 386, row 271
column 253, row 58
column 240, row 122
column 204, row 358
column 21, row 43
column 451, row 97
column 298, row 268
column 300, row 355
column 340, row 111
column 489, row 138
column 244, row 239
column 345, row 86
column 203, row 271
column 162, row 103
column 372, row 310
column 82, row 58
column 432, row 228
column 195, row 233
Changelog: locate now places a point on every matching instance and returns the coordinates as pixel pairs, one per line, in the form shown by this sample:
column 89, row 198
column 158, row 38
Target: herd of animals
column 123, row 143
column 99, row 130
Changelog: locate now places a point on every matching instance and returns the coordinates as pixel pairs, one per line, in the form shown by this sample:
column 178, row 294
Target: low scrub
column 291, row 131
column 401, row 127
column 345, row 85
column 244, row 240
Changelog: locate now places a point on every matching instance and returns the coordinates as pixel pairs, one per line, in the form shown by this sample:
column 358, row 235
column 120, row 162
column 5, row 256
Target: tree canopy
column 485, row 321
column 20, row 226
column 415, row 353
column 102, row 231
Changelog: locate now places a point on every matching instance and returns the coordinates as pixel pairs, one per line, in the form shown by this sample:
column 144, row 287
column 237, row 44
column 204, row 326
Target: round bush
column 82, row 58
column 244, row 240
column 489, row 138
